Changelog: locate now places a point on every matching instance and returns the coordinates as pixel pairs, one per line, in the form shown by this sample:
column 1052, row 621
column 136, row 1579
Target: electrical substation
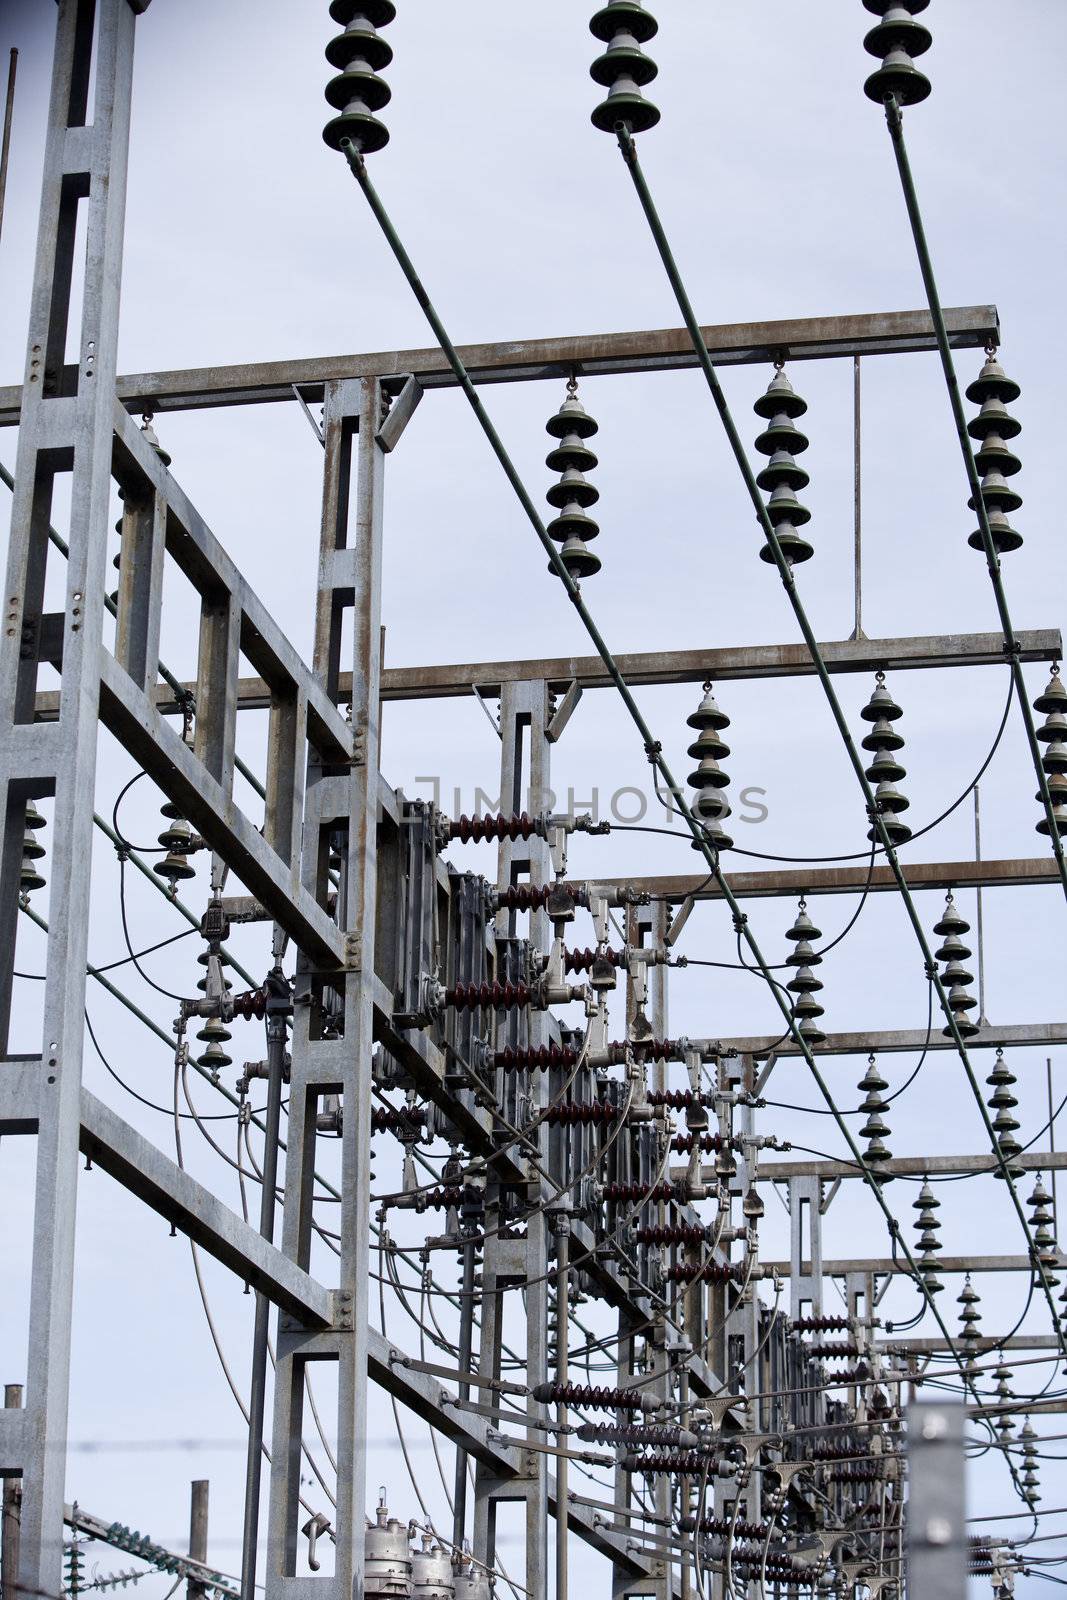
column 543, row 1285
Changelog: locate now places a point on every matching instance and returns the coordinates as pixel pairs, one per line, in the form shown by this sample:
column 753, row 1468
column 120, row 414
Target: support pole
column 466, row 1336
column 562, row 1226
column 857, row 520
column 937, row 1531
column 9, row 107
column 198, row 1504
column 278, row 1007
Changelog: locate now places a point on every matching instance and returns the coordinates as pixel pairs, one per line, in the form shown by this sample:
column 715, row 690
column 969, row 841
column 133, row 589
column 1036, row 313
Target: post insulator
column 583, row 960
column 635, row 1433
column 571, row 1113
column 475, row 829
column 397, row 1119
column 620, row 1192
column 673, row 1233
column 589, row 1395
column 498, row 996
column 705, row 1272
column 692, row 1462
column 535, row 1058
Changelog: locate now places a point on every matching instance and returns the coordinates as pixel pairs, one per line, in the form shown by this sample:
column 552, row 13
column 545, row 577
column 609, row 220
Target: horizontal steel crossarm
column 146, row 1172
column 903, row 1166
column 641, row 668
column 649, row 668
column 428, row 1398
column 1018, row 1341
column 852, row 879
column 882, row 1266
column 848, row 1044
column 655, row 350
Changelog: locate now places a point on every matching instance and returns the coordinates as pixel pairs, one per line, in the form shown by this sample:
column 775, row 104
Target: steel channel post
column 322, row 1063
column 937, row 1531
column 278, row 1008
column 66, row 426
column 805, row 1287
column 525, row 784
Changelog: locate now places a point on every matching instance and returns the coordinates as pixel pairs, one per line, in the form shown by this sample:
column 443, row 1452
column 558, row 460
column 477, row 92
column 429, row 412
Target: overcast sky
column 247, row 240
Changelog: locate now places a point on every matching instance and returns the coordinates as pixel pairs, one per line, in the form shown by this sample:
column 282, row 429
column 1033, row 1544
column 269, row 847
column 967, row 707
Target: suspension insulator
column 468, row 829
column 657, row 1434
column 357, row 92
column 782, row 475
column 995, row 460
column 500, row 996
column 624, row 69
column 677, row 1233
column 535, row 1058
column 585, row 1394
column 889, row 801
column 896, row 39
column 571, row 1113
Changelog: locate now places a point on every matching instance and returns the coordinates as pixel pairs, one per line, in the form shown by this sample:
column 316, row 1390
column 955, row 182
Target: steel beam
column 520, row 360
column 650, row 668
column 850, row 1044
column 1017, row 1341
column 119, row 1150
column 883, row 1265
column 794, row 881
column 902, row 1167
column 641, row 668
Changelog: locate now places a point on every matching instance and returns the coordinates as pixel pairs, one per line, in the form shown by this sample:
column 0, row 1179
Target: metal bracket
column 563, row 712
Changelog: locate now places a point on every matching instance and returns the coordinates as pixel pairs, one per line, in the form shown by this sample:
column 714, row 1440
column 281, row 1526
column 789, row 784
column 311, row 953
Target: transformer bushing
column 387, row 1558
column 431, row 1570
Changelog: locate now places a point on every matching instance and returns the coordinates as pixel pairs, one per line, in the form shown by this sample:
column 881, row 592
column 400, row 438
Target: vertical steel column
column 327, row 1058
column 937, row 1532
column 524, row 785
column 66, row 425
column 805, row 1199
